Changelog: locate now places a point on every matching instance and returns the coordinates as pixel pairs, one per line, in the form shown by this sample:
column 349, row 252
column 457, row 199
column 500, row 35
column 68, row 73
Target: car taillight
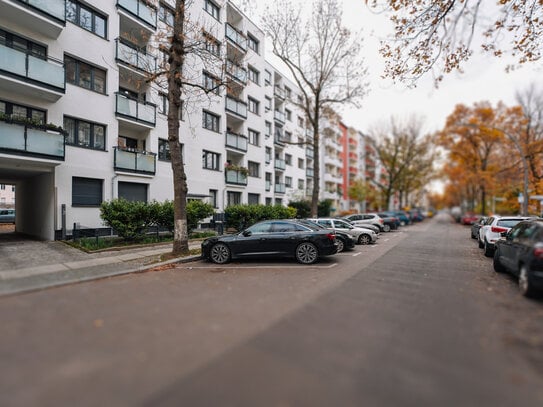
column 381, row 221
column 538, row 252
column 497, row 229
column 331, row 236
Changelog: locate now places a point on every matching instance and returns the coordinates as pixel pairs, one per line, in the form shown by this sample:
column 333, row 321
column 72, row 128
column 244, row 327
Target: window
column 300, row 99
column 22, row 112
column 212, row 45
column 288, row 182
column 254, row 169
column 133, row 191
column 267, row 77
column 210, row 160
column 87, row 191
column 23, row 45
column 164, row 150
column 253, row 199
column 252, row 105
column 268, row 155
column 211, row 121
column 85, row 134
column 268, row 105
column 166, row 15
column 252, row 43
column 84, row 75
column 268, row 201
column 212, row 9
column 233, row 198
column 288, row 115
column 288, row 159
column 288, row 92
column 163, row 107
column 300, row 121
column 86, row 18
column 213, row 198
column 278, row 201
column 300, row 184
column 253, row 75
column 3, row 187
column 268, row 129
column 287, row 136
column 211, row 83
column 254, row 137
column 300, row 163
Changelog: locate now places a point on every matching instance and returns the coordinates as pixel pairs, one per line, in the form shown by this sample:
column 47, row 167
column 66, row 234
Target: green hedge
column 130, row 219
column 241, row 217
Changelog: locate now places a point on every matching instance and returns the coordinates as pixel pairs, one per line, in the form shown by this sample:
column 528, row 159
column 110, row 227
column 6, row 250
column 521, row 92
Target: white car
column 360, row 234
column 362, row 219
column 491, row 231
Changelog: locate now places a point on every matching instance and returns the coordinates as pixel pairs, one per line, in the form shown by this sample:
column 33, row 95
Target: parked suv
column 7, row 215
column 359, row 219
column 361, row 235
column 491, row 231
column 520, row 252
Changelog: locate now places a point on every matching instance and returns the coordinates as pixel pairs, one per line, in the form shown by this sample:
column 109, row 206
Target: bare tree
column 440, row 35
column 324, row 60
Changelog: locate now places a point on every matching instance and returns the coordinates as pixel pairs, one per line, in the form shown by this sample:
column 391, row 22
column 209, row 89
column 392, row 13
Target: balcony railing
column 236, row 141
column 47, row 72
column 235, row 177
column 134, row 161
column 134, row 109
column 53, row 8
column 140, row 9
column 22, row 139
column 236, row 37
column 236, row 106
column 279, row 91
column 237, row 72
column 309, row 172
column 279, row 116
column 279, row 164
column 134, row 57
column 280, row 188
column 353, row 170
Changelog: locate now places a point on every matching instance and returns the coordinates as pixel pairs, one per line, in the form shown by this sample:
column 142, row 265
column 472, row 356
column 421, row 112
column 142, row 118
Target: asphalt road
column 418, row 319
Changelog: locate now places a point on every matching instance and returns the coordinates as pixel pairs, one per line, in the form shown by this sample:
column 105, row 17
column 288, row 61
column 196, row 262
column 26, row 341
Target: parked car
column 403, row 217
column 491, row 231
column 469, row 219
column 7, row 215
column 477, row 225
column 391, row 221
column 416, row 215
column 344, row 240
column 520, row 252
column 361, row 234
column 360, row 219
column 375, row 229
column 272, row 238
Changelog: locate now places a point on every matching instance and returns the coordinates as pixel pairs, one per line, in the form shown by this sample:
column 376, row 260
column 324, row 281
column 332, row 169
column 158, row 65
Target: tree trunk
column 316, row 163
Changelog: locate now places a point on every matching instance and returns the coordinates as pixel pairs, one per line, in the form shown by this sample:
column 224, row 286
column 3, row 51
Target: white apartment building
column 7, row 196
column 82, row 66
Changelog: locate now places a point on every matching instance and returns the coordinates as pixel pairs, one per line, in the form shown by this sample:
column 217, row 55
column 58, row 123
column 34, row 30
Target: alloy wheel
column 307, row 253
column 220, row 253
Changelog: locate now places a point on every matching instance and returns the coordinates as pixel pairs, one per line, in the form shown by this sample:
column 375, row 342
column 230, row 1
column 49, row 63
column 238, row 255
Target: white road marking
column 237, row 266
column 357, row 254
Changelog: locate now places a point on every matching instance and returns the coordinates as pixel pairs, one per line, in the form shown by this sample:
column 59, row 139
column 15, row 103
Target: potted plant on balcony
column 238, row 168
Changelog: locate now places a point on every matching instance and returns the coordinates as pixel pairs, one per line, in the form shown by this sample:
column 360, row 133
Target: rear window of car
column 508, row 223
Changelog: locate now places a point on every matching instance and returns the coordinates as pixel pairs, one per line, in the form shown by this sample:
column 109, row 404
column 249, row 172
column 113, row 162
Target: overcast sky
column 484, row 79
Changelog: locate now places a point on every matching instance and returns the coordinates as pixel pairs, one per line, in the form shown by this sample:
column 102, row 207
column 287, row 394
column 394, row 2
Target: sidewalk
column 30, row 265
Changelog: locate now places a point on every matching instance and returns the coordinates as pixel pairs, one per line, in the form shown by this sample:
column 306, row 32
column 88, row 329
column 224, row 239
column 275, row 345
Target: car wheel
column 402, row 223
column 364, row 239
column 307, row 253
column 481, row 244
column 340, row 245
column 220, row 253
column 386, row 228
column 524, row 282
column 498, row 267
column 489, row 250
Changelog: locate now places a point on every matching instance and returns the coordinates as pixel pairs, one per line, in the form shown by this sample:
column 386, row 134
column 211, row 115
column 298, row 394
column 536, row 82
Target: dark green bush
column 303, row 208
column 196, row 211
column 240, row 217
column 128, row 218
column 324, row 207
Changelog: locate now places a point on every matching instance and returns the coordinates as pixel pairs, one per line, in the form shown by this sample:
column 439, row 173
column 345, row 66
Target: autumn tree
column 441, row 35
column 324, row 60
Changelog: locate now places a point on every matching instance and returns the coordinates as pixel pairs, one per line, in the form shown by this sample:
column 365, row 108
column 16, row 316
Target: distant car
column 344, row 240
column 272, row 238
column 477, row 225
column 403, row 217
column 391, row 221
column 491, row 231
column 360, row 234
column 520, row 253
column 359, row 219
column 469, row 219
column 7, row 215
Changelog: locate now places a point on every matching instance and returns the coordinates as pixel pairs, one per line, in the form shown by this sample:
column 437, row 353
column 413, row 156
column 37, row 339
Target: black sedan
column 272, row 238
column 520, row 253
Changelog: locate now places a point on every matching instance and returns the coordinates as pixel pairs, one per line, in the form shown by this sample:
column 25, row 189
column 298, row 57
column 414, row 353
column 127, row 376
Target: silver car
column 360, row 234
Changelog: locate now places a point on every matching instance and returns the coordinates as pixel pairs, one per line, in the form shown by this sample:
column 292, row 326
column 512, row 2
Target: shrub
column 303, row 208
column 324, row 207
column 128, row 218
column 196, row 211
column 240, row 217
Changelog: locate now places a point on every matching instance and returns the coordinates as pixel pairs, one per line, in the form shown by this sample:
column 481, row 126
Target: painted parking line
column 237, row 266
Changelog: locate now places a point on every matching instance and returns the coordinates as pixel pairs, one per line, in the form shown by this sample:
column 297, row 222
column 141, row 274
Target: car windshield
column 508, row 223
column 342, row 224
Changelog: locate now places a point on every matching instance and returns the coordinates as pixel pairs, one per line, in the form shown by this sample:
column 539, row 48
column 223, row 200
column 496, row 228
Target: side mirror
column 247, row 233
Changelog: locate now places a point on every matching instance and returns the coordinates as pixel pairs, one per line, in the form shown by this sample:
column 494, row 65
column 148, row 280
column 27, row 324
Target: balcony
column 236, row 37
column 141, row 11
column 134, row 161
column 45, row 17
column 135, row 111
column 309, row 152
column 279, row 92
column 279, row 164
column 280, row 188
column 353, row 156
column 279, row 116
column 25, row 74
column 309, row 172
column 236, row 141
column 236, row 72
column 22, row 139
column 236, row 177
column 353, row 170
column 133, row 57
column 236, row 106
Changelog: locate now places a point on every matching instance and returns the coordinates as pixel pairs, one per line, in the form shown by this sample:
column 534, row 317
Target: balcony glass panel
column 236, row 106
column 55, row 8
column 278, row 91
column 136, row 58
column 309, row 172
column 135, row 161
column 22, row 138
column 268, row 185
column 140, row 111
column 140, row 9
column 280, row 164
column 12, row 60
column 280, row 188
column 279, row 116
column 235, row 36
column 235, row 177
column 236, row 71
column 236, row 141
column 12, row 136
